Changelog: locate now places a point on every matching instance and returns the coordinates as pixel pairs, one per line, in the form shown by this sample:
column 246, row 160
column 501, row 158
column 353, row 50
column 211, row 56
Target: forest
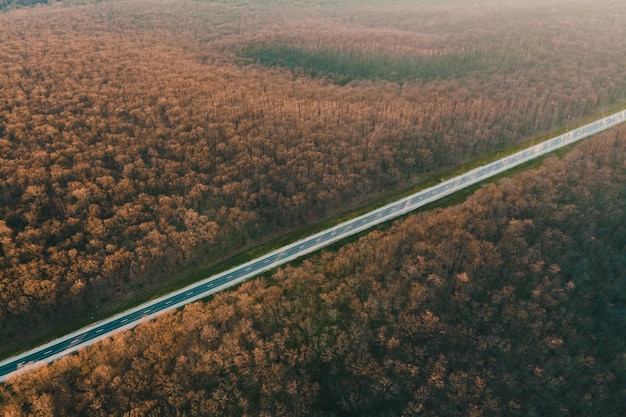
column 140, row 139
column 4, row 4
column 512, row 303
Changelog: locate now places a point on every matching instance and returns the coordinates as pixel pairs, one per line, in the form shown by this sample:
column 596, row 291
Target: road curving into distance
column 86, row 336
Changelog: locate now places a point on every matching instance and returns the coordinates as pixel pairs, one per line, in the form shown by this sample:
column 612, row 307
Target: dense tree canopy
column 4, row 4
column 510, row 304
column 140, row 137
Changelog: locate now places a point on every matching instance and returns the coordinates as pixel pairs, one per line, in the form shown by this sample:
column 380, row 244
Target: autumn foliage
column 507, row 305
column 142, row 137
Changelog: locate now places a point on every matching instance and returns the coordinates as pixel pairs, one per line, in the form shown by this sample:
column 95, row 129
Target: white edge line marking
column 352, row 227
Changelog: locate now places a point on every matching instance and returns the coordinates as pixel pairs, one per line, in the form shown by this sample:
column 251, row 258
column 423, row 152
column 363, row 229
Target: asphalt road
column 97, row 331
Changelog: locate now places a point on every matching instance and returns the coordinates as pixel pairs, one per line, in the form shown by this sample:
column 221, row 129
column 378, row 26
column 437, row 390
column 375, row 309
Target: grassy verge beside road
column 277, row 240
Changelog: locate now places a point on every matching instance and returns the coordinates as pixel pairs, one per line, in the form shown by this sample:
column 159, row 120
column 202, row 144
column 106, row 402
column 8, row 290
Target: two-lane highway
column 97, row 331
